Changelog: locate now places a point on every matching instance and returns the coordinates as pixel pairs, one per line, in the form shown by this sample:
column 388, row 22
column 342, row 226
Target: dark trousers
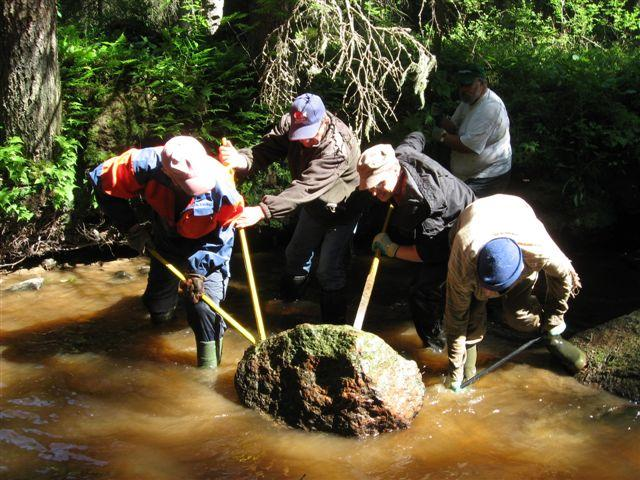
column 427, row 289
column 161, row 296
column 484, row 187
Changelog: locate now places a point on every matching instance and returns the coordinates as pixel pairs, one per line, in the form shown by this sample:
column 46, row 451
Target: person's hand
column 193, row 287
column 383, row 244
column 230, row 157
column 139, row 238
column 249, row 217
column 437, row 134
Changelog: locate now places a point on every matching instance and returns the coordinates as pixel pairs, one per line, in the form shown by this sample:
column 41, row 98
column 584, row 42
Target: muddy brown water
column 90, row 390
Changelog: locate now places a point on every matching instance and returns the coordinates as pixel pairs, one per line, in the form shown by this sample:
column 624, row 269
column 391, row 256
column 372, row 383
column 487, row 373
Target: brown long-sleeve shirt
column 324, row 176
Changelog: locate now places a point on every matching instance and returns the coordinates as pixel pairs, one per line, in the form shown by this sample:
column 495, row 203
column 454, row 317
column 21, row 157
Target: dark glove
column 139, row 237
column 193, row 287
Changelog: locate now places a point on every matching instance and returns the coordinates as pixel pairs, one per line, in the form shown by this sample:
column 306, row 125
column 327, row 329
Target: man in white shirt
column 478, row 135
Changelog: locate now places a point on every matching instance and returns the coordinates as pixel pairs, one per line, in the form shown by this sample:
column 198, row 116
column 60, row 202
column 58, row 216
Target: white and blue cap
column 307, row 113
column 500, row 264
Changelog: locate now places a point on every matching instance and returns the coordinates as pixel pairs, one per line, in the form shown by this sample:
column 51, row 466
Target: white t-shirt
column 484, row 128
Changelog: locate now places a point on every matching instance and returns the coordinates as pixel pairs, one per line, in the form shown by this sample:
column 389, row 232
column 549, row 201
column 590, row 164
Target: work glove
column 193, row 287
column 437, row 134
column 383, row 244
column 139, row 237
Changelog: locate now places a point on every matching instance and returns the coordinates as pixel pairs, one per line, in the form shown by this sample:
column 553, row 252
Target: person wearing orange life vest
column 193, row 201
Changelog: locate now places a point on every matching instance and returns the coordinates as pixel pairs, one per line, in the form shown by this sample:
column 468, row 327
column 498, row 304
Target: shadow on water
column 121, row 331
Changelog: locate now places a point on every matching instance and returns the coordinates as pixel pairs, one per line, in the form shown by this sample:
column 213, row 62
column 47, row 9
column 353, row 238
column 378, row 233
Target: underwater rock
column 332, row 378
column 613, row 353
column 31, row 284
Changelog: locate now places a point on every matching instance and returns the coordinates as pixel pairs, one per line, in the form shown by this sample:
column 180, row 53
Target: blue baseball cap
column 307, row 113
column 500, row 264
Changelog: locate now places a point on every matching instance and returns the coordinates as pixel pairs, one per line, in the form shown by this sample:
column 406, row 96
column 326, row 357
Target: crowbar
column 247, row 265
column 371, row 278
column 205, row 298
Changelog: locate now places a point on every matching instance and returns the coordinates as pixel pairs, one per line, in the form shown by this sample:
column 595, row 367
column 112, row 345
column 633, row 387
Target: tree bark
column 213, row 12
column 30, row 101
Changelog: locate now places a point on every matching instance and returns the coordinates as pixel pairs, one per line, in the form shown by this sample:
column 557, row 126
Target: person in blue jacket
column 192, row 200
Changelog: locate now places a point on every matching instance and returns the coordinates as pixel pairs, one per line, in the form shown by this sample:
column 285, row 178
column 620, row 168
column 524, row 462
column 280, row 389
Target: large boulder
column 613, row 352
column 332, row 378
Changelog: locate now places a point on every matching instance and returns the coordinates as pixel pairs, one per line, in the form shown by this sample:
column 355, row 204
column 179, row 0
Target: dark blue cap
column 307, row 113
column 500, row 264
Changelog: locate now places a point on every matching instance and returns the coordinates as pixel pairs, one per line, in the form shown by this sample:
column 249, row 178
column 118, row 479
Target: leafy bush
column 28, row 187
column 567, row 72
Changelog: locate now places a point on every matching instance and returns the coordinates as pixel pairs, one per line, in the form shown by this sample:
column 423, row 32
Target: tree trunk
column 213, row 12
column 30, row 102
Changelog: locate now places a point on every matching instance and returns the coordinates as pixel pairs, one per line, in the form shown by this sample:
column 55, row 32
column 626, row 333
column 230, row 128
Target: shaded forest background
column 134, row 73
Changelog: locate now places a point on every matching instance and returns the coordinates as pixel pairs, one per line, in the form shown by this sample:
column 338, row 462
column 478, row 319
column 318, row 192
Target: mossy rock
column 613, row 351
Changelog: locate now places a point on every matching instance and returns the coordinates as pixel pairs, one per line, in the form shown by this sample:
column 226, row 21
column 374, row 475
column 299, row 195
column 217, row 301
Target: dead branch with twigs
column 341, row 40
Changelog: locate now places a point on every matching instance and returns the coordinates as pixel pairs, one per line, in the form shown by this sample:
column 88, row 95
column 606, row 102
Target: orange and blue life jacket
column 199, row 231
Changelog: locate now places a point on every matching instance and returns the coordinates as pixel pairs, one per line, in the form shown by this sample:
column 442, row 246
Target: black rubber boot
column 292, row 287
column 470, row 362
column 160, row 319
column 333, row 306
column 571, row 357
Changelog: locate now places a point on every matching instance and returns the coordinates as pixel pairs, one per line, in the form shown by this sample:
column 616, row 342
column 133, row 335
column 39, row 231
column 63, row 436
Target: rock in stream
column 332, row 378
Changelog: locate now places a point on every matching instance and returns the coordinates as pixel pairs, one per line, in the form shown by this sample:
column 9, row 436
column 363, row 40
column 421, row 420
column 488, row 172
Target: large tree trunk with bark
column 29, row 74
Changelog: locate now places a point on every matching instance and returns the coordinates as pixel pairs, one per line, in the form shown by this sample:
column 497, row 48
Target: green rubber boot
column 209, row 354
column 470, row 362
column 569, row 355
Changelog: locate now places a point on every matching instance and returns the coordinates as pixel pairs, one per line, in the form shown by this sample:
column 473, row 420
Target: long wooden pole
column 252, row 284
column 371, row 278
column 247, row 265
column 205, row 298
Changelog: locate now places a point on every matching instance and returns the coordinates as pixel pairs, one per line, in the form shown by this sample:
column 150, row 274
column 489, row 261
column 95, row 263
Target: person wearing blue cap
column 321, row 152
column 477, row 134
column 498, row 249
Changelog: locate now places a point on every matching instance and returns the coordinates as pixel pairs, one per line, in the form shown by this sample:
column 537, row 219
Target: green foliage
column 25, row 183
column 567, row 71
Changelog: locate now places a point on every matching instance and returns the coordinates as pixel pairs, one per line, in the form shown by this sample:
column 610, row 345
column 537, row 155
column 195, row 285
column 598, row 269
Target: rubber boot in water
column 292, row 287
column 571, row 356
column 209, row 354
column 160, row 319
column 470, row 362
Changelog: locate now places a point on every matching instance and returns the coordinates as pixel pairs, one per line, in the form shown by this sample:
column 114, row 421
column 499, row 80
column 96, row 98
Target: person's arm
column 318, row 178
column 453, row 141
column 414, row 141
column 449, row 125
column 562, row 283
column 408, row 253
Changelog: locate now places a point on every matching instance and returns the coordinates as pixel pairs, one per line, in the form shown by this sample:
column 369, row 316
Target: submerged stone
column 613, row 353
column 332, row 378
column 31, row 284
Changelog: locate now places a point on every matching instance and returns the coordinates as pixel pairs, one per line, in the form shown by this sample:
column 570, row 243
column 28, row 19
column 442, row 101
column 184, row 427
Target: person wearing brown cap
column 428, row 200
column 192, row 202
column 477, row 134
column 321, row 152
